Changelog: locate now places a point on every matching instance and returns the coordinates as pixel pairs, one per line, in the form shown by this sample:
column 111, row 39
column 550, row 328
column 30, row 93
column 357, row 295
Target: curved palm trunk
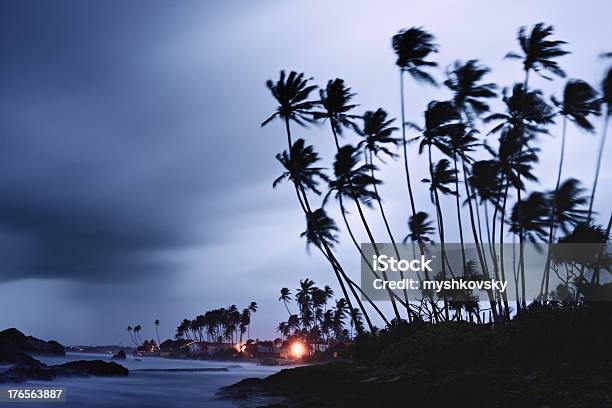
column 459, row 212
column 404, row 145
column 518, row 196
column 501, row 240
column 440, row 227
column 551, row 220
column 287, row 306
column 306, row 207
column 384, row 217
column 598, row 166
column 366, row 260
column 482, row 260
column 367, row 228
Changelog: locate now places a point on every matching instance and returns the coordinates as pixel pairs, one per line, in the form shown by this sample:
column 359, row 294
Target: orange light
column 297, row 350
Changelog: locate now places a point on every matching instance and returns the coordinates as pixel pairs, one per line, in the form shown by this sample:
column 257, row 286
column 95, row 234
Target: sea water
column 153, row 388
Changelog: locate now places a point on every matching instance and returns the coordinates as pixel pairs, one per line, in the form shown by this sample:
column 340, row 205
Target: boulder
column 21, row 373
column 119, row 356
column 91, row 367
column 11, row 356
column 13, row 339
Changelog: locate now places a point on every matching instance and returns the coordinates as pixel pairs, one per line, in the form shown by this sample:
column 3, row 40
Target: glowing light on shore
column 298, row 350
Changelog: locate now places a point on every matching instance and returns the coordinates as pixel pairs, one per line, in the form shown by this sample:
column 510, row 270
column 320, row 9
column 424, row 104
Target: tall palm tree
column 566, row 212
column 353, row 181
column 469, row 97
column 285, row 296
column 412, row 47
column 579, row 101
column 292, row 93
column 527, row 115
column 300, row 170
column 137, row 330
column 156, row 323
column 606, row 88
column 529, row 219
column 321, row 232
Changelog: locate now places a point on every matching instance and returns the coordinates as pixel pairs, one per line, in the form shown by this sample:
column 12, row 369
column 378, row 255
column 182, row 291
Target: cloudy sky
column 136, row 181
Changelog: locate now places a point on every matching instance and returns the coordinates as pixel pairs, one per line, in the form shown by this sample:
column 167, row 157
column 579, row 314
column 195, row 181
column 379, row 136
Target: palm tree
column 442, row 175
column 565, row 203
column 606, row 88
column 539, row 52
column 469, row 97
column 291, row 92
column 463, row 79
column 420, row 228
column 529, row 219
column 412, row 47
column 130, row 330
column 156, row 323
column 353, row 181
column 285, row 297
column 137, row 330
column 299, row 167
column 335, row 101
column 579, row 101
column 321, row 231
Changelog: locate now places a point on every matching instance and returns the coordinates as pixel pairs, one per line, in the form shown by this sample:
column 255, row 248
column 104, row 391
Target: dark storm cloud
column 108, row 159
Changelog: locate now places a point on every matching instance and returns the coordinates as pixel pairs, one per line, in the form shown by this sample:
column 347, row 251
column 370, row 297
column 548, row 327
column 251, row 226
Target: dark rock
column 9, row 355
column 13, row 339
column 23, row 373
column 119, row 356
column 93, row 367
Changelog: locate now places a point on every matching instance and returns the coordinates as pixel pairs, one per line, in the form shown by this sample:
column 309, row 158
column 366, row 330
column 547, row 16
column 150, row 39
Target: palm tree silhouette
column 352, row 180
column 579, row 101
column 526, row 116
column 469, row 95
column 285, row 297
column 137, row 330
column 565, row 212
column 539, row 52
column 130, row 330
column 606, row 89
column 300, row 170
column 464, row 80
column 335, row 101
column 412, row 46
column 292, row 94
column 420, row 228
column 156, row 323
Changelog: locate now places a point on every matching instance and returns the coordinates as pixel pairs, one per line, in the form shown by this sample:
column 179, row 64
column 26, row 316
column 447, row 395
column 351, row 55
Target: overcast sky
column 136, row 182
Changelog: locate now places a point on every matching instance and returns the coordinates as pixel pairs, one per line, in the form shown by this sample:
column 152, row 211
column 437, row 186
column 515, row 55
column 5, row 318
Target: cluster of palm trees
column 218, row 325
column 313, row 322
column 134, row 333
column 454, row 132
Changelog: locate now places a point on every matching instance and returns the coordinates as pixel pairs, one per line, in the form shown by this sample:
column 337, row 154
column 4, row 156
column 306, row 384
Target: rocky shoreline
column 16, row 349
